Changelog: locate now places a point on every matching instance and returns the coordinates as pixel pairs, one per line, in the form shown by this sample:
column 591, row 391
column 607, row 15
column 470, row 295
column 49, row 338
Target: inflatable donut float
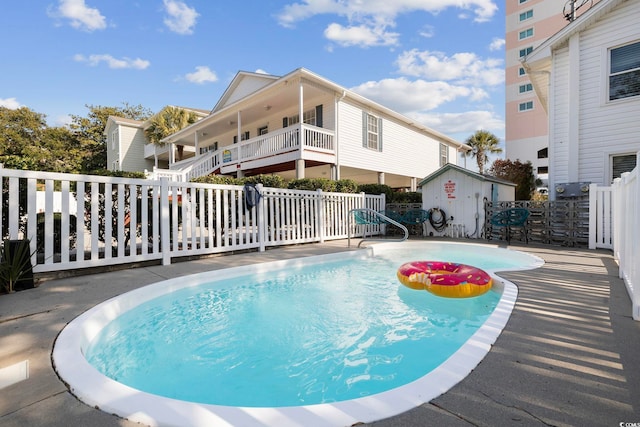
column 445, row 279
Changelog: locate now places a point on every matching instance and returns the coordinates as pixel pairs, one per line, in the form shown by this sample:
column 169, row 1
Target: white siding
column 461, row 203
column 605, row 128
column 559, row 144
column 132, row 150
column 405, row 151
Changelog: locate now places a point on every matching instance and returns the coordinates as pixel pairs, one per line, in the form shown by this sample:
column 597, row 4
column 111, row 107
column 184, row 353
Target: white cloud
column 10, row 103
column 407, row 96
column 461, row 123
column 182, row 18
column 381, row 10
column 428, row 31
column 94, row 60
column 496, row 44
column 202, row 75
column 360, row 35
column 81, row 16
column 463, row 68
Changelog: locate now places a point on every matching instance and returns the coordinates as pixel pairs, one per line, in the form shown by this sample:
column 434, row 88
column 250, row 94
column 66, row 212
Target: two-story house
column 302, row 125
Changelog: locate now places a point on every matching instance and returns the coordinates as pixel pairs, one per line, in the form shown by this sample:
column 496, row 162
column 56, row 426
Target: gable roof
column 472, row 174
column 538, row 63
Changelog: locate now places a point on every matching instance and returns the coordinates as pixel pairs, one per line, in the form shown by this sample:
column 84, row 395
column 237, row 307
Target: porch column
column 300, row 117
column 195, row 140
column 300, row 169
column 333, row 172
column 172, row 153
column 381, row 178
column 414, row 184
column 240, row 173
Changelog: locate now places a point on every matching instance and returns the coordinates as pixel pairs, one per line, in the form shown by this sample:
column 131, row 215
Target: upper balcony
column 298, row 142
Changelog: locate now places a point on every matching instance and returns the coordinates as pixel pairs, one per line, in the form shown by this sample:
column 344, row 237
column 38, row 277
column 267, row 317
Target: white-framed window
column 624, row 71
column 212, row 147
column 526, row 15
column 621, row 163
column 312, row 116
column 525, row 34
column 444, row 154
column 371, row 131
column 114, row 139
column 309, row 117
column 522, row 71
column 527, row 87
column 525, row 51
column 525, row 106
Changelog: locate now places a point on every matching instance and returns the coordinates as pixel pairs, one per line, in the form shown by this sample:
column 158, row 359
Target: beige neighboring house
column 587, row 78
column 302, row 125
column 128, row 149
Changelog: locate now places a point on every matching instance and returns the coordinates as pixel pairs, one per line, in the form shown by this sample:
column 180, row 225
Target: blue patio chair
column 416, row 218
column 396, row 216
column 509, row 219
column 366, row 218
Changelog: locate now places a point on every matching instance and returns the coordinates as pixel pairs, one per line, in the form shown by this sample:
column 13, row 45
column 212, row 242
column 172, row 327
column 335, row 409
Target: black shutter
column 285, row 122
column 319, row 116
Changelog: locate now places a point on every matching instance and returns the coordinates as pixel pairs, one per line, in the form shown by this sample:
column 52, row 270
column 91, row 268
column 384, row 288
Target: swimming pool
column 366, row 405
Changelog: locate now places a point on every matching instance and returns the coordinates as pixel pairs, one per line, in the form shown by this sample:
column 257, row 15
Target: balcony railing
column 270, row 145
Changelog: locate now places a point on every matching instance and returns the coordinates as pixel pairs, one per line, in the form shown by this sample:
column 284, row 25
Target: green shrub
column 313, row 184
column 346, row 186
column 376, row 189
column 405, row 197
column 273, row 181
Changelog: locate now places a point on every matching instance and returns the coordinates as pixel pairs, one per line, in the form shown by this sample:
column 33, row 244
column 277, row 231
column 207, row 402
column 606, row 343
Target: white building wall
column 417, row 154
column 559, row 114
column 132, row 150
column 604, row 128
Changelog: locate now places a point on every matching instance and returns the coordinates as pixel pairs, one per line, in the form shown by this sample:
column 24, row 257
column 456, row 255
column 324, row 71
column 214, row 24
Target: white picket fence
column 626, row 233
column 121, row 220
column 614, row 224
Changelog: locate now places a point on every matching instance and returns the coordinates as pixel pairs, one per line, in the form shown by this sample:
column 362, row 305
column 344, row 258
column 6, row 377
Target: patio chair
column 510, row 219
column 416, row 218
column 366, row 218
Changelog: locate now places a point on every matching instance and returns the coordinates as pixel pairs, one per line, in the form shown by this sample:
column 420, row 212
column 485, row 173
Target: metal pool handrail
column 373, row 217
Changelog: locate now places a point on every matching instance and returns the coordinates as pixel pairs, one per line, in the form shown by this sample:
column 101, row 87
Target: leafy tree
column 517, row 172
column 169, row 121
column 90, row 131
column 21, row 136
column 483, row 143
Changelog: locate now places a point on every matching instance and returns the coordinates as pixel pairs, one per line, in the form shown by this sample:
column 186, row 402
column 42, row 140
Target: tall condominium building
column 528, row 24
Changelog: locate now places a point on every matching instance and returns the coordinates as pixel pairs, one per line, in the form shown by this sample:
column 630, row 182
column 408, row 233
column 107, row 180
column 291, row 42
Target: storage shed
column 455, row 197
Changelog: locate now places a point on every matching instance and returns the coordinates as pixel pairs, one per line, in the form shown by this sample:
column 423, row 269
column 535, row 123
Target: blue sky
column 440, row 62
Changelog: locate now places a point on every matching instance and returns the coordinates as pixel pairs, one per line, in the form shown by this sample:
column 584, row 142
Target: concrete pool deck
column 569, row 355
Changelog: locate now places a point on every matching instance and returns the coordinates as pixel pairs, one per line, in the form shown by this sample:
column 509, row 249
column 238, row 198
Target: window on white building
column 621, row 164
column 525, row 106
column 114, row 139
column 525, row 34
column 521, row 72
column 371, row 132
column 444, row 154
column 624, row 71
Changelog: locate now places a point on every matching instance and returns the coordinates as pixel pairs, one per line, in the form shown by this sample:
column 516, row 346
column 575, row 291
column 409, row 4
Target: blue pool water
column 309, row 334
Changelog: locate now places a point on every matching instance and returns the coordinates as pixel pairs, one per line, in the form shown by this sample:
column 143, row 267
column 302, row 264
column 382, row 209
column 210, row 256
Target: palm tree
column 167, row 122
column 483, row 143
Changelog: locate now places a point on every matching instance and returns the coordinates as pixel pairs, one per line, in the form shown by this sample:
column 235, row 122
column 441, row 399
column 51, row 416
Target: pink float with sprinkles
column 445, row 279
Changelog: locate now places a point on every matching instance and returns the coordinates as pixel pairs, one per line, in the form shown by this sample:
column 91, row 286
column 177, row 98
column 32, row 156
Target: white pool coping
column 101, row 392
